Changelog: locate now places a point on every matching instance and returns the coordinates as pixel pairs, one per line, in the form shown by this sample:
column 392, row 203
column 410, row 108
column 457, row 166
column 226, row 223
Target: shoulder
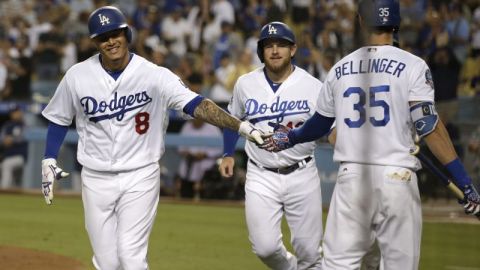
column 256, row 73
column 83, row 66
column 302, row 74
column 251, row 77
column 144, row 66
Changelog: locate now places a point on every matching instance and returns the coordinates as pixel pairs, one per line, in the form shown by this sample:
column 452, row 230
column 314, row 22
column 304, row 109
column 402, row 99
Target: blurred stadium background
column 209, row 44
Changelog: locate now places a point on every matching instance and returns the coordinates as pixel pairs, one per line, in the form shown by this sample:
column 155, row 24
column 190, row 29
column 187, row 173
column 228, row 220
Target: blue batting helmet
column 380, row 13
column 106, row 19
column 274, row 30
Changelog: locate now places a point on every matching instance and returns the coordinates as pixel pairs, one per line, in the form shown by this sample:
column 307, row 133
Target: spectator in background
column 196, row 160
column 240, row 67
column 459, row 31
column 220, row 92
column 13, row 147
column 176, row 31
column 19, row 67
column 223, row 11
column 432, row 35
column 229, row 42
column 300, row 14
column 47, row 56
column 4, row 86
column 413, row 16
column 445, row 70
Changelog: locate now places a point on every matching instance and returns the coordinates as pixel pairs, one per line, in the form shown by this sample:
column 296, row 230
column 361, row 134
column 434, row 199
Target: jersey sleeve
column 421, row 88
column 176, row 92
column 325, row 101
column 235, row 107
column 61, row 110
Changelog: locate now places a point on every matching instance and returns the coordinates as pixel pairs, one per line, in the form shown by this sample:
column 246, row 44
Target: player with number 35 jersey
column 381, row 97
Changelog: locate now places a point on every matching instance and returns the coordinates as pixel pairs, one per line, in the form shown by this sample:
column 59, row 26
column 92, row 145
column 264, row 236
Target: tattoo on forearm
column 208, row 111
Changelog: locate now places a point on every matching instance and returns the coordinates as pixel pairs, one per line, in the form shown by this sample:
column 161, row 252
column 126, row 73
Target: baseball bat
column 430, row 166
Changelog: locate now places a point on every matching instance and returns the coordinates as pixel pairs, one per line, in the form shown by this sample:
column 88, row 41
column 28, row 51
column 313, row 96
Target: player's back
column 371, row 89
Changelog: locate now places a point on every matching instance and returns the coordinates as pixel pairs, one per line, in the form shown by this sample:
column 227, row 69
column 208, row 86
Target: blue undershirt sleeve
column 230, row 139
column 192, row 105
column 314, row 128
column 459, row 174
column 55, row 136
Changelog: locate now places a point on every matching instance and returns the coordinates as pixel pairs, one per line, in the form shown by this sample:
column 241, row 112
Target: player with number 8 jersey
column 120, row 104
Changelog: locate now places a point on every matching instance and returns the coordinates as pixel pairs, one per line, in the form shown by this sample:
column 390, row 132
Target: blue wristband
column 55, row 136
column 459, row 174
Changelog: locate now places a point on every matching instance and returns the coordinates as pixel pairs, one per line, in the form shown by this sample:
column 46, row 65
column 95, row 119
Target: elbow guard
column 424, row 117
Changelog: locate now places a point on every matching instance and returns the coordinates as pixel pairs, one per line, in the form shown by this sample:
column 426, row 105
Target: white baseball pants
column 373, row 202
column 269, row 196
column 120, row 209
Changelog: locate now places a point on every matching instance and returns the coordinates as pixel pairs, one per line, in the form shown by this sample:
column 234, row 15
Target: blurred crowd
column 210, row 43
column 216, row 40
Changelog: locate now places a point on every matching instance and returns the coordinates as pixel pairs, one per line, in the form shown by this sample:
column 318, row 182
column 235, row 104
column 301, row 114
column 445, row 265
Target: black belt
column 285, row 170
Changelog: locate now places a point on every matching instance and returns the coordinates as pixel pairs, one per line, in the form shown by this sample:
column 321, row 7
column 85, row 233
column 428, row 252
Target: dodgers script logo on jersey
column 283, row 108
column 116, row 107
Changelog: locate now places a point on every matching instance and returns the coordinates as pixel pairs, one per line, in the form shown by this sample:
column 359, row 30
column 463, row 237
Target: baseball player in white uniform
column 120, row 104
column 285, row 183
column 378, row 95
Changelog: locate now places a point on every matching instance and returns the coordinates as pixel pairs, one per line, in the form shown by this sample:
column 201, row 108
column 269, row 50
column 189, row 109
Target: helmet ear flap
column 129, row 34
column 260, row 50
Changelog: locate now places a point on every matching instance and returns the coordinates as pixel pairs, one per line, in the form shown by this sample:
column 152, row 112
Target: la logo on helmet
column 103, row 19
column 272, row 30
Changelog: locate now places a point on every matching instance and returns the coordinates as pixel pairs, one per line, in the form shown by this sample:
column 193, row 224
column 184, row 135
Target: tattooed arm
column 208, row 111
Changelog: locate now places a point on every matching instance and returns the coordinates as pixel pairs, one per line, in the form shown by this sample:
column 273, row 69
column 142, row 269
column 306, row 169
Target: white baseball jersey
column 368, row 92
column 121, row 123
column 269, row 195
column 291, row 105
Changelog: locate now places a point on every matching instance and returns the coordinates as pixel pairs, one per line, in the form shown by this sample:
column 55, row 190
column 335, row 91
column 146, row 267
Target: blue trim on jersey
column 459, row 174
column 230, row 139
column 192, row 105
column 55, row 136
column 314, row 128
column 115, row 74
column 273, row 85
column 276, row 116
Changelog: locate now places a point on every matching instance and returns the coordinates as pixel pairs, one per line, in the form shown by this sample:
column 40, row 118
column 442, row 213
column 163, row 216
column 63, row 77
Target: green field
column 196, row 237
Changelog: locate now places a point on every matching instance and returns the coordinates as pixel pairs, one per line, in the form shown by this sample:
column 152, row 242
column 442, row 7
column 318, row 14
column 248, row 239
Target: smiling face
column 113, row 47
column 277, row 54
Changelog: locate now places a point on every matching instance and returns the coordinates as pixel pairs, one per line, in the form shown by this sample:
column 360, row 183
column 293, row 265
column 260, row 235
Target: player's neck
column 116, row 64
column 380, row 39
column 280, row 76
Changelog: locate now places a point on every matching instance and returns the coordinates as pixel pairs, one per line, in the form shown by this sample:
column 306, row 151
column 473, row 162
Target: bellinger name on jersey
column 364, row 66
column 118, row 106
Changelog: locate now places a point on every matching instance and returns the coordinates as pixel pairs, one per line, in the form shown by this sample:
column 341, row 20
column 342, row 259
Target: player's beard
column 278, row 67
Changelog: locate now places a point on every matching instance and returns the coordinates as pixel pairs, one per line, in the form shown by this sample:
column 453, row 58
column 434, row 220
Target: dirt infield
column 29, row 259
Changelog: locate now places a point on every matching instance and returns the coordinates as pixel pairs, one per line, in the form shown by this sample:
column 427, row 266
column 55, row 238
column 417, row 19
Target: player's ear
column 293, row 50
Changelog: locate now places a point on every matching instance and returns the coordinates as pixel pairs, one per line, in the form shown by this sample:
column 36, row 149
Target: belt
column 284, row 170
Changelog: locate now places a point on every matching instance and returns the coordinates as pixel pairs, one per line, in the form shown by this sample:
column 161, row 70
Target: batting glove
column 278, row 141
column 251, row 133
column 471, row 202
column 50, row 173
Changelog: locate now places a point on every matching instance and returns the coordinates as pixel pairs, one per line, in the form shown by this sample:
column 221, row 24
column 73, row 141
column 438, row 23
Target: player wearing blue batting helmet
column 277, row 30
column 106, row 19
column 380, row 14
